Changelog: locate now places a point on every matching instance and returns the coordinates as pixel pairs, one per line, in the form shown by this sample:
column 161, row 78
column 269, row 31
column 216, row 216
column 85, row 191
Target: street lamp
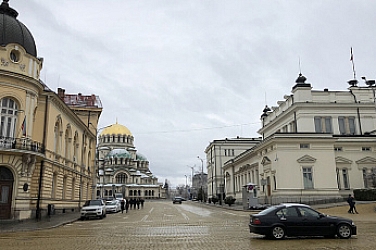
column 201, row 178
column 186, row 186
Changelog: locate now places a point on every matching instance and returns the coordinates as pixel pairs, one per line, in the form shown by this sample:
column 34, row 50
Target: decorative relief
column 4, row 62
column 28, row 164
column 22, row 67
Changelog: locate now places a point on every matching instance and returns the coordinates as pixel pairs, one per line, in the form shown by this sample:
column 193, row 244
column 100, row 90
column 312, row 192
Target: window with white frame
column 323, row 124
column 8, row 117
column 346, row 125
column 307, row 178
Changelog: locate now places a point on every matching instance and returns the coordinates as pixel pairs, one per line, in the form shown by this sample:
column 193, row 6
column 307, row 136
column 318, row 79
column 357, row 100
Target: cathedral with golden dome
column 122, row 171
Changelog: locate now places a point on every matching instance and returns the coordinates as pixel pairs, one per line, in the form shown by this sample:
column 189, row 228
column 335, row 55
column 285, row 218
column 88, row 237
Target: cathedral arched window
column 121, row 178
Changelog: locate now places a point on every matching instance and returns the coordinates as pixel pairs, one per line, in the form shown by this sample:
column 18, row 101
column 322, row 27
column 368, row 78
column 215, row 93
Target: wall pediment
column 366, row 160
column 340, row 159
column 306, row 159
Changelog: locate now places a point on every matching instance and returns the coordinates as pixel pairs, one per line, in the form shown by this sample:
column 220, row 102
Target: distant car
column 113, row 206
column 283, row 220
column 93, row 208
column 177, row 200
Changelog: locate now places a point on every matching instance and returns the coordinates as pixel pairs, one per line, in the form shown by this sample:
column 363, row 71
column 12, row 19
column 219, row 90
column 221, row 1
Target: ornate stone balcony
column 24, row 144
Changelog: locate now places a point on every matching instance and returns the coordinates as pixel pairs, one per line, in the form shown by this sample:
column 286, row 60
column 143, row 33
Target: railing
column 21, row 144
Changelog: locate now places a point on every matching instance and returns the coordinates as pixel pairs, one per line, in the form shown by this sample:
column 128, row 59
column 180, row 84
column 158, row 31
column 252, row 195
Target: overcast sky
column 180, row 74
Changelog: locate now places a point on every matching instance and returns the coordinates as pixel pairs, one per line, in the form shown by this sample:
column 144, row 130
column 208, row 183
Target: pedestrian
column 122, row 204
column 351, row 202
column 126, row 205
column 142, row 203
column 138, row 203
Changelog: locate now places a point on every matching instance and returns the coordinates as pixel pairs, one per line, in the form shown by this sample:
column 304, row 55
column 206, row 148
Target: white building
column 217, row 153
column 316, row 144
column 121, row 169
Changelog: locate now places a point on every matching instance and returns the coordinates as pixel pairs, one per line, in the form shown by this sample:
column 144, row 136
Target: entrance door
column 6, row 188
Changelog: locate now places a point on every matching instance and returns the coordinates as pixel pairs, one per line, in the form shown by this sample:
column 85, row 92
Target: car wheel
column 277, row 233
column 82, row 218
column 344, row 231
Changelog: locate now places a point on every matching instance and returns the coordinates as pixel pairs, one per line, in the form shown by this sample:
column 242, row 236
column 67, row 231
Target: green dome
column 119, row 153
column 140, row 157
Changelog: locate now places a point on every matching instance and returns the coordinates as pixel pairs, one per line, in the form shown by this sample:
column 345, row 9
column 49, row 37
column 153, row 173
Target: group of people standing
column 127, row 204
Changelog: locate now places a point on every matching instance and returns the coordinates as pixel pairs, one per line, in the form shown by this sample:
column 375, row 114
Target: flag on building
column 23, row 127
column 351, row 56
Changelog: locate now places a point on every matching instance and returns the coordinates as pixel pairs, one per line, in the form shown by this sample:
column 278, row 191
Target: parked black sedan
column 289, row 219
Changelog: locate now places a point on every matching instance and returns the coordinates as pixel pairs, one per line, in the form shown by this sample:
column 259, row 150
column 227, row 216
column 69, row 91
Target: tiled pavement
column 66, row 218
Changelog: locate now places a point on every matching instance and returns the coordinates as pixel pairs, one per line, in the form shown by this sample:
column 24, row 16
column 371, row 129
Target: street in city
column 190, row 225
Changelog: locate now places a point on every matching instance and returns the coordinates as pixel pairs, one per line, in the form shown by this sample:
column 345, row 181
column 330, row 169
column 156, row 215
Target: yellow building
column 47, row 139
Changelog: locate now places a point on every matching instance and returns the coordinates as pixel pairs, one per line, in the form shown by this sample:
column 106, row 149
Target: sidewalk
column 56, row 220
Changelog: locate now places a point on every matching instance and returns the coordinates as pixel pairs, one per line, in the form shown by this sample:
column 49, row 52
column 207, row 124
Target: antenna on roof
column 300, row 68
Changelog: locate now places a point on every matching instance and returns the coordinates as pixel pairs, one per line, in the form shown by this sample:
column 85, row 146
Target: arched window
column 8, row 118
column 75, row 146
column 121, row 178
column 57, row 136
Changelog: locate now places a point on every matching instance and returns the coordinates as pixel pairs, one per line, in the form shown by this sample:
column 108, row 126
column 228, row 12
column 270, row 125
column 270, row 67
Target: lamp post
column 97, row 178
column 201, row 178
column 186, row 186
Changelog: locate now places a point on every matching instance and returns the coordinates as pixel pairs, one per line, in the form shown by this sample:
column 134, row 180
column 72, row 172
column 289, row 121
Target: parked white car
column 113, row 206
column 93, row 208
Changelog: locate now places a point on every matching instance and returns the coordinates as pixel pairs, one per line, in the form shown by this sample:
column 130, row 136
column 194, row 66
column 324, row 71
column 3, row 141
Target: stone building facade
column 47, row 143
column 317, row 144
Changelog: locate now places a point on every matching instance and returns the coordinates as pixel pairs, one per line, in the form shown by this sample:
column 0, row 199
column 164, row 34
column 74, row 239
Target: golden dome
column 116, row 129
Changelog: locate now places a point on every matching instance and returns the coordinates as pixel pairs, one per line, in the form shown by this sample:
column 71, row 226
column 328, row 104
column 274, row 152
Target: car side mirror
column 322, row 216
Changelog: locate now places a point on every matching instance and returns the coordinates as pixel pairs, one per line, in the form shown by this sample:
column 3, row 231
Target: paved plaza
column 191, row 225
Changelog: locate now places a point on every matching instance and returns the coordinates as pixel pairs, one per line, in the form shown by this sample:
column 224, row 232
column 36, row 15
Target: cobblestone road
column 163, row 225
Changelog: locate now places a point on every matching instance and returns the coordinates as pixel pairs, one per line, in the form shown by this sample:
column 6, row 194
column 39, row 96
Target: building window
column 8, row 116
column 323, row 124
column 307, row 178
column 366, row 149
column 338, row 179
column 337, row 148
column 53, row 186
column 64, row 187
column 121, row 178
column 304, row 145
column 346, row 125
column 73, row 188
column 345, row 177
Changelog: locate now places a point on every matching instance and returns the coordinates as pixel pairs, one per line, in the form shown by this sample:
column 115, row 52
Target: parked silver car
column 113, row 206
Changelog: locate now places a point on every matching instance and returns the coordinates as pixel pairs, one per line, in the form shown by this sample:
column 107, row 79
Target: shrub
column 230, row 200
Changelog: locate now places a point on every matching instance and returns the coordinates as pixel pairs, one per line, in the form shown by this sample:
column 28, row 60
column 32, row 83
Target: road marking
column 185, row 216
column 145, row 218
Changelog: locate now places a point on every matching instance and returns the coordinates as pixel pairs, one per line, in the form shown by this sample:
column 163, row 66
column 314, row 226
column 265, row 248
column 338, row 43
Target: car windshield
column 92, row 203
column 111, row 203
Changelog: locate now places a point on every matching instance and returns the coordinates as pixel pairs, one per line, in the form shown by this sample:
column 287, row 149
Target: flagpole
column 352, row 61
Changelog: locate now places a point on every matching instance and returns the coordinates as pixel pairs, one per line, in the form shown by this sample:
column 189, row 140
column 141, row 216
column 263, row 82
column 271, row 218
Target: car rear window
column 268, row 210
